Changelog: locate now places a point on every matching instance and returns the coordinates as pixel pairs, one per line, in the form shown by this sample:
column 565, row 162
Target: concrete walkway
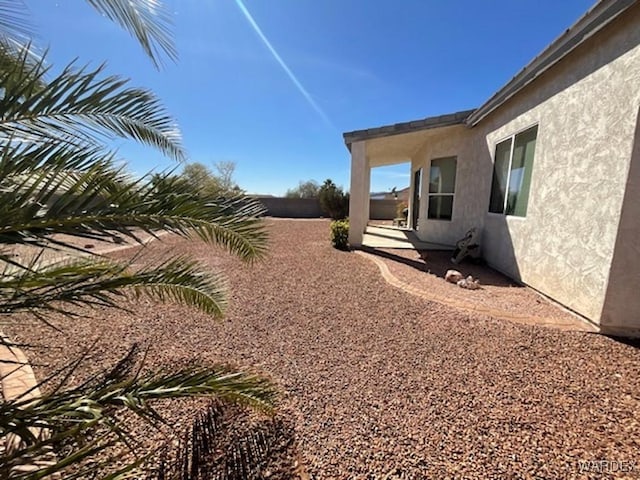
column 393, row 237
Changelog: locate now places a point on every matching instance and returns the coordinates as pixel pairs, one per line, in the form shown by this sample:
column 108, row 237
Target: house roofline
column 596, row 18
column 457, row 118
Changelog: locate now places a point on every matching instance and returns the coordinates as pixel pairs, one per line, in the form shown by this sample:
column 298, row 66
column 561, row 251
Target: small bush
column 340, row 234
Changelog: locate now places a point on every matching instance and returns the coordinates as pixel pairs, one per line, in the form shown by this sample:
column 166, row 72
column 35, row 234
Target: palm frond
column 223, row 443
column 70, row 414
column 91, row 403
column 83, row 105
column 148, row 21
column 17, row 158
column 95, row 200
column 183, row 281
column 20, row 60
column 100, row 281
column 15, row 23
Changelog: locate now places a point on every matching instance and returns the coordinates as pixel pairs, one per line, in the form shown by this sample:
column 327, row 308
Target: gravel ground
column 379, row 383
column 497, row 293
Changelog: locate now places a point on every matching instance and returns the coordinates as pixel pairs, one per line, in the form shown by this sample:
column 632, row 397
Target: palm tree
column 57, row 175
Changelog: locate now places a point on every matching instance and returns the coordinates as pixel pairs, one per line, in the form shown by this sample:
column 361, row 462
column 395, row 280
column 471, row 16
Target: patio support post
column 359, row 193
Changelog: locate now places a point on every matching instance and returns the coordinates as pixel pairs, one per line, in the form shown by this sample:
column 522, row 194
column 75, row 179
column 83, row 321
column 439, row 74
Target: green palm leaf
column 91, row 281
column 147, row 20
column 81, row 106
column 57, row 177
column 70, row 414
column 95, row 200
column 19, row 61
column 15, row 23
column 20, row 158
column 90, row 403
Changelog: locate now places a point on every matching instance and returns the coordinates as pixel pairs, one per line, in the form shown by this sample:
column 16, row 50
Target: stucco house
column 548, row 168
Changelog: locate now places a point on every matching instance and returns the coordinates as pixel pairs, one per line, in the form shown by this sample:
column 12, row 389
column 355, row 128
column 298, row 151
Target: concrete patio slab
column 393, row 237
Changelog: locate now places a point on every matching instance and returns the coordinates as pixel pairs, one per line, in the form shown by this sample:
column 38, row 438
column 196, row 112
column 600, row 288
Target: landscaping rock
column 469, row 283
column 453, row 276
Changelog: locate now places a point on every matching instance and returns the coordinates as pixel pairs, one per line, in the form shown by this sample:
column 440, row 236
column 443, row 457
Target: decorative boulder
column 469, row 283
column 453, row 276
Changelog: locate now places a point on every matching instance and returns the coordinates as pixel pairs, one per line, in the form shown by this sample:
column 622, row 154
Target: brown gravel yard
column 380, row 383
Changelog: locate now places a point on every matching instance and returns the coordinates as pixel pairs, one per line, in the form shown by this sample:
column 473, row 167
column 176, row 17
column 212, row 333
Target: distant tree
column 225, row 172
column 333, row 200
column 308, row 189
column 202, row 180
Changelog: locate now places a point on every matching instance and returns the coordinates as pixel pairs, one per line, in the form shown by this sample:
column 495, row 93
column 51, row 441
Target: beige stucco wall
column 456, row 142
column 586, row 108
column 621, row 311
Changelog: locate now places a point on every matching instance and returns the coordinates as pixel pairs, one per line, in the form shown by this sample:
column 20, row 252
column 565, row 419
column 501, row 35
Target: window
column 512, row 174
column 442, row 182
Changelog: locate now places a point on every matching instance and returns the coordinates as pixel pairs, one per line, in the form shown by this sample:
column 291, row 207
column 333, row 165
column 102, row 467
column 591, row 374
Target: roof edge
column 597, row 17
column 456, row 118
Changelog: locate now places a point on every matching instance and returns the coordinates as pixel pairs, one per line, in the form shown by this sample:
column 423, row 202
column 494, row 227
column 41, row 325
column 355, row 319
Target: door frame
column 415, row 198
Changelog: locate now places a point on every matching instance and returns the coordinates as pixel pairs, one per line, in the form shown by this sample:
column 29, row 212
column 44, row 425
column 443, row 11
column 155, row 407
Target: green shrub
column 333, row 201
column 340, row 234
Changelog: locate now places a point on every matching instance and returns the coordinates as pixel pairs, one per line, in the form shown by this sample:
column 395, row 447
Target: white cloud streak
column 282, row 63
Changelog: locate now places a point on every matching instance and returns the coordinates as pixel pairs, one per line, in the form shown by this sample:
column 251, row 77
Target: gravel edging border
column 16, row 375
column 577, row 326
column 18, row 382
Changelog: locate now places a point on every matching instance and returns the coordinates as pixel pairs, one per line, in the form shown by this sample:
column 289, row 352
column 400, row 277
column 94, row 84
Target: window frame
column 452, row 194
column 512, row 138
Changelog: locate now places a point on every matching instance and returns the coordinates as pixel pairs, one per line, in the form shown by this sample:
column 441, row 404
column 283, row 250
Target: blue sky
column 332, row 66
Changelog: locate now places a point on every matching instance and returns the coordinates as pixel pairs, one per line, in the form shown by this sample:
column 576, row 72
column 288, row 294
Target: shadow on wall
column 497, row 247
column 437, row 262
column 622, row 301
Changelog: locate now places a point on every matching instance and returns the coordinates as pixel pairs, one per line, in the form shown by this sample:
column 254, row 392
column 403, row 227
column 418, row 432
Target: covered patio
column 391, row 145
